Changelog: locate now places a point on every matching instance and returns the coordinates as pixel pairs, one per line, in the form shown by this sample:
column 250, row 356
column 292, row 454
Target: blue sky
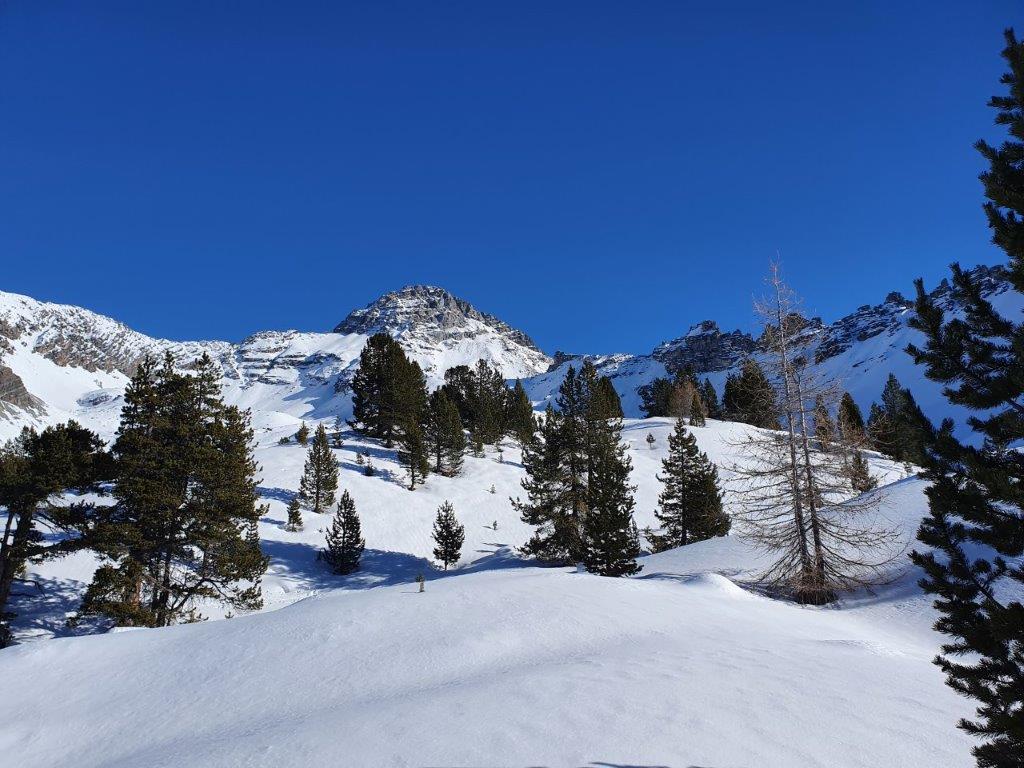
column 601, row 175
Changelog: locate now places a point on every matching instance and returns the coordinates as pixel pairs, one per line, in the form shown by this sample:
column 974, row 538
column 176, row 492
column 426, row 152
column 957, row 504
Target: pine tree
column 520, row 421
column 611, row 540
column 859, row 474
column 320, row 475
column 449, row 535
column 650, row 441
column 444, row 434
column 898, row 427
column 302, row 436
column 850, row 421
column 345, row 542
column 34, row 467
column 975, row 526
column 412, row 453
column 750, row 397
column 654, row 397
column 604, row 400
column 294, row 515
column 388, row 389
column 698, row 414
column 182, row 529
column 710, row 399
column 691, row 502
column 824, row 427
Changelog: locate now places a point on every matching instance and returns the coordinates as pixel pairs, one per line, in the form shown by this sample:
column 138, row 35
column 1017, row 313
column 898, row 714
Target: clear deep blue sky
column 601, row 175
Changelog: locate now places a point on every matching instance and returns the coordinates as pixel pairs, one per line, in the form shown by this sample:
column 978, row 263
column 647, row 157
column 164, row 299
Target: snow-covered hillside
column 498, row 662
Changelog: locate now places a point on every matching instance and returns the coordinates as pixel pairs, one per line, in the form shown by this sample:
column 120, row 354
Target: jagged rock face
column 427, row 320
column 705, row 348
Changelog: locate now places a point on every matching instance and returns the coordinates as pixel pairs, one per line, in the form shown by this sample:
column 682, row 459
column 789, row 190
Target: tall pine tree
column 319, row 480
column 449, row 535
column 444, row 434
column 345, row 542
column 691, row 502
column 975, row 527
column 413, row 453
column 520, row 422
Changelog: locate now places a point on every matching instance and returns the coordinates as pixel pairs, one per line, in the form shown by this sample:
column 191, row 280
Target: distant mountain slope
column 59, row 362
column 858, row 351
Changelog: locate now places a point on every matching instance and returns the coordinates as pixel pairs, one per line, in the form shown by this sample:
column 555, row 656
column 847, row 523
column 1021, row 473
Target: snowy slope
column 59, row 362
column 498, row 663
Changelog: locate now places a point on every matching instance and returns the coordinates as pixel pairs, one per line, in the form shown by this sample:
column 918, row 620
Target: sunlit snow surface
column 497, row 662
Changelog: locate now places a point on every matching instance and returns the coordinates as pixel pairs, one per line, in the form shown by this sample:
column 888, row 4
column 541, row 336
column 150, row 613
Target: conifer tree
column 604, row 400
column 824, row 426
column 413, row 453
column 519, row 420
column 859, row 474
column 449, row 535
column 388, row 389
column 320, row 475
column 294, row 515
column 709, row 397
column 975, row 526
column 302, row 436
column 345, row 542
column 750, row 397
column 611, row 540
column 698, row 415
column 654, row 397
column 898, row 427
column 850, row 421
column 445, row 437
column 691, row 502
column 34, row 467
column 183, row 526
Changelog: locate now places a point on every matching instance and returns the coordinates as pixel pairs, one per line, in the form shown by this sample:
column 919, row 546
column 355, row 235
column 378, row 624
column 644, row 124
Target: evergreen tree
column 611, row 540
column 824, row 426
column 975, row 527
column 850, row 421
column 487, row 404
column 709, row 397
column 519, row 419
column 294, row 515
column 860, row 477
column 898, row 427
column 604, row 400
column 445, row 437
column 698, row 414
column 413, row 453
column 654, row 397
column 320, row 474
column 388, row 389
column 345, row 542
column 750, row 398
column 34, row 467
column 184, row 525
column 691, row 502
column 449, row 535
column 302, row 436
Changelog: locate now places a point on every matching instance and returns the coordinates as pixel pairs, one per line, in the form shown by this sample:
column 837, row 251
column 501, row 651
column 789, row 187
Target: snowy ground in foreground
column 496, row 663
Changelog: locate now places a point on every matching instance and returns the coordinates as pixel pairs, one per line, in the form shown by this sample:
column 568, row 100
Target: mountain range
column 59, row 361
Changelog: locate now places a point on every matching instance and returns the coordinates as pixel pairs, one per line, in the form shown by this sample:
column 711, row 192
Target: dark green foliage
column 577, row 477
column 284, row 440
column 413, row 453
column 850, row 421
column 302, row 436
column 654, row 397
column 33, row 468
column 481, row 397
column 898, row 427
column 345, row 542
column 698, row 414
column 388, row 389
column 691, row 502
column 294, row 515
column 604, row 400
column 750, row 398
column 444, row 434
column 860, row 478
column 320, row 475
column 449, row 535
column 975, row 526
column 824, row 427
column 520, row 421
column 611, row 541
column 184, row 525
column 709, row 397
